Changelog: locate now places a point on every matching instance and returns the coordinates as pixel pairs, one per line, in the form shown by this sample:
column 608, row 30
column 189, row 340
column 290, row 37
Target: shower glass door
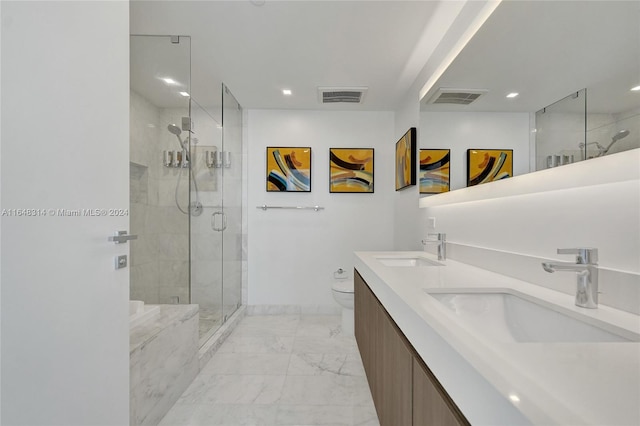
column 233, row 236
column 207, row 226
column 159, row 174
column 217, row 233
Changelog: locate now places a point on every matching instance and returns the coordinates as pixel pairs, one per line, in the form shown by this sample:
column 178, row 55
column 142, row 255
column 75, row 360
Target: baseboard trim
column 293, row 310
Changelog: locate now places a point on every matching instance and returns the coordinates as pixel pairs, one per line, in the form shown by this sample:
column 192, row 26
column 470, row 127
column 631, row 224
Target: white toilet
column 342, row 290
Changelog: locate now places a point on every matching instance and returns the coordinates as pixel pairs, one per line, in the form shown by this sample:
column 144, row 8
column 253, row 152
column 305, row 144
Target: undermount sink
column 406, row 261
column 510, row 316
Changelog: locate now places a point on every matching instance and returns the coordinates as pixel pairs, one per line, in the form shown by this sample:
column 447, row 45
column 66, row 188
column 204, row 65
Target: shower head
column 621, row 134
column 174, row 129
column 183, row 143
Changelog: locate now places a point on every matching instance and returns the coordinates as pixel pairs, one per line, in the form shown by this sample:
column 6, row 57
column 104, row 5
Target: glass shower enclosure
column 185, row 185
column 216, row 228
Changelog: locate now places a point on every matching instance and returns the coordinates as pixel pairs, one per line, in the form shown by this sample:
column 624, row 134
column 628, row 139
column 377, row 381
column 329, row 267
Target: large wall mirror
column 519, row 85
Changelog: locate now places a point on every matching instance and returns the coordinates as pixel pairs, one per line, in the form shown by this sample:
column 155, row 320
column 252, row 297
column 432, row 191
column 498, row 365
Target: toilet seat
column 344, row 286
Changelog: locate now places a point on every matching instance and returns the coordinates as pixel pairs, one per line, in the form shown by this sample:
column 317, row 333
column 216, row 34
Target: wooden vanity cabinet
column 396, row 368
column 431, row 403
column 404, row 391
column 368, row 331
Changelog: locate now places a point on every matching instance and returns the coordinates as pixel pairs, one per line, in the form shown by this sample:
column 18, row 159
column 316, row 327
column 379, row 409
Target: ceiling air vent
column 334, row 95
column 455, row 96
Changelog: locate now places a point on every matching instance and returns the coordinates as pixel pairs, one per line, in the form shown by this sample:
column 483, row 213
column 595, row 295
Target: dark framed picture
column 351, row 170
column 406, row 160
column 434, row 170
column 488, row 165
column 288, row 169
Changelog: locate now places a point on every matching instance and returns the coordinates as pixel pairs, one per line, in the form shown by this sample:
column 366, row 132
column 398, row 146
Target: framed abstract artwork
column 434, row 171
column 488, row 165
column 406, row 160
column 288, row 169
column 351, row 170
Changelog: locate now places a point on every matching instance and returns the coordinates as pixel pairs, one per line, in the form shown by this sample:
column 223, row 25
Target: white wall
column 406, row 200
column 460, row 131
column 292, row 253
column 65, row 348
column 0, row 219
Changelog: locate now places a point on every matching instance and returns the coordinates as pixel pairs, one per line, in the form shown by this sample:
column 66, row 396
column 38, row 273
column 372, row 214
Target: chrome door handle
column 213, row 221
column 224, row 221
column 122, row 237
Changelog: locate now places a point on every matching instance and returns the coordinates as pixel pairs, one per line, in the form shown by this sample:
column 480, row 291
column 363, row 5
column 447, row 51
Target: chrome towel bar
column 315, row 208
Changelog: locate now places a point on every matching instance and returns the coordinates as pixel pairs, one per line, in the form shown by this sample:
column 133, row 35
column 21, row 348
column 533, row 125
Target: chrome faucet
column 441, row 240
column 586, row 268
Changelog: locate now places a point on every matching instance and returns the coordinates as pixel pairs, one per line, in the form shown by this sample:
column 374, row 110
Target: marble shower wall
column 159, row 264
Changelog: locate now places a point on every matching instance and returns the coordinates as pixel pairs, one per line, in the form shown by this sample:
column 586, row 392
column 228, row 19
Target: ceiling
column 258, row 48
column 545, row 50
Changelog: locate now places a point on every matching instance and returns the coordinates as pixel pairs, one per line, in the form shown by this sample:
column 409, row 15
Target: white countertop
column 509, row 383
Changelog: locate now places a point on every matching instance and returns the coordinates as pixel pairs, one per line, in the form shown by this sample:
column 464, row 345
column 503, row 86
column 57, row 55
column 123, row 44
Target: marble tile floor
column 280, row 370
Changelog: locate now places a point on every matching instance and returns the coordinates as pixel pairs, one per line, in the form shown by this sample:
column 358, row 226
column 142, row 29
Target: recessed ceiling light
column 169, row 81
column 513, row 397
column 512, row 95
column 636, row 89
column 286, row 92
column 185, row 94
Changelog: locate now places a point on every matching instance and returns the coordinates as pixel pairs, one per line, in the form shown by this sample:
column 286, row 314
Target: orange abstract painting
column 351, row 170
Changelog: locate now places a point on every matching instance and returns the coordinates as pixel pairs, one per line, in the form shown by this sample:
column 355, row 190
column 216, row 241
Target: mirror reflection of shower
column 621, row 134
column 604, row 150
column 182, row 160
column 599, row 147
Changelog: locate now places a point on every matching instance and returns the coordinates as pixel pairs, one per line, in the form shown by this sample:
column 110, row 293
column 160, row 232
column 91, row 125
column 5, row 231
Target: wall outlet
column 431, row 222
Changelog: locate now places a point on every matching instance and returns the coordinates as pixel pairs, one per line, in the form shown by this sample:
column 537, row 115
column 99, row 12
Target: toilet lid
column 343, row 286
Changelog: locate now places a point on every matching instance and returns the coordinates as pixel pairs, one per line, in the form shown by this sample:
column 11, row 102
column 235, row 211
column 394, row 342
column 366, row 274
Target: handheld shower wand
column 196, row 206
column 621, row 134
column 601, row 149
